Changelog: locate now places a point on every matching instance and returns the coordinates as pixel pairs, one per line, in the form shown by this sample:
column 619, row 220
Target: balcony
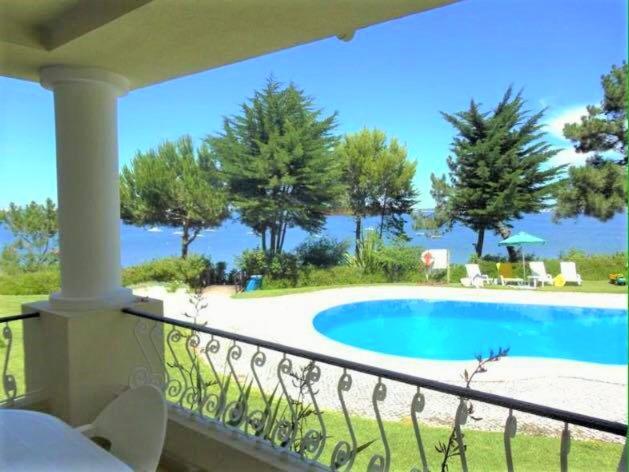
column 236, row 403
column 240, row 403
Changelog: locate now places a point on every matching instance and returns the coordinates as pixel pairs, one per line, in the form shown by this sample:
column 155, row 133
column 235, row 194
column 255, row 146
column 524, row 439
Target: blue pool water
column 450, row 330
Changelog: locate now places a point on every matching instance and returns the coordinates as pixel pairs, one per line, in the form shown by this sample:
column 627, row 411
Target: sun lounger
column 539, row 274
column 475, row 276
column 505, row 273
column 569, row 272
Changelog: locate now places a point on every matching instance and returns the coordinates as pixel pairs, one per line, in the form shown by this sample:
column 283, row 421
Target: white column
column 87, row 186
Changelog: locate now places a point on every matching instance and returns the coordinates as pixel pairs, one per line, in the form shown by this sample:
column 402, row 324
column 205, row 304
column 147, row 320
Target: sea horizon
column 225, row 243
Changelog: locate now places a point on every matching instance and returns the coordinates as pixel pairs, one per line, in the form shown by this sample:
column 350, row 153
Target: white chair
column 475, row 276
column 539, row 274
column 569, row 272
column 135, row 424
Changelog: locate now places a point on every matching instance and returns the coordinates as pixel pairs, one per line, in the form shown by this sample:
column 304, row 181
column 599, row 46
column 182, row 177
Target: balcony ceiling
column 150, row 41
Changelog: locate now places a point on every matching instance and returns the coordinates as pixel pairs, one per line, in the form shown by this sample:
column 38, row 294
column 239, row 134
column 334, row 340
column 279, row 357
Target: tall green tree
column 276, row 157
column 395, row 192
column 174, row 186
column 498, row 171
column 599, row 188
column 378, row 177
column 34, row 228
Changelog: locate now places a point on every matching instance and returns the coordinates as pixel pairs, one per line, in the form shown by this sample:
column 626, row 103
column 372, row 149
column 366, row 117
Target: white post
column 87, row 186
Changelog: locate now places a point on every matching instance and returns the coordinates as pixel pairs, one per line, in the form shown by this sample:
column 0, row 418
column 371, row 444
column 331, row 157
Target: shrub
column 592, row 266
column 193, row 271
column 340, row 275
column 30, row 283
column 399, row 260
column 367, row 257
column 252, row 262
column 321, row 253
column 281, row 266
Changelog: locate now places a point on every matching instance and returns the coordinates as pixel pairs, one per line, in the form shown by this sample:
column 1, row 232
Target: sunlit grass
column 485, row 450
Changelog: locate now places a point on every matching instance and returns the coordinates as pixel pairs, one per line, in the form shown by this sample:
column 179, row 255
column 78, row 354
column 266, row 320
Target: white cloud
column 569, row 156
column 555, row 124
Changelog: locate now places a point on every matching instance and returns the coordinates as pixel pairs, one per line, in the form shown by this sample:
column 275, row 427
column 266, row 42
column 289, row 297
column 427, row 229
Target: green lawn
column 485, row 450
column 11, row 305
column 589, row 286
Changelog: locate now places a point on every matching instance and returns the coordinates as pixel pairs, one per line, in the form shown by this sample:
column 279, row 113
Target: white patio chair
column 539, row 274
column 475, row 276
column 135, row 424
column 569, row 272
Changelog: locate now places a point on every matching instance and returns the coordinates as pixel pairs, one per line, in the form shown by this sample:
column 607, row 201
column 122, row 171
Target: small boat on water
column 178, row 233
column 154, row 229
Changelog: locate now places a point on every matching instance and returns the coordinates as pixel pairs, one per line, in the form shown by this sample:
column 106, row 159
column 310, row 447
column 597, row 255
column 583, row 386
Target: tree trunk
column 272, row 241
column 263, row 240
column 283, row 236
column 381, row 229
column 187, row 238
column 185, row 241
column 479, row 242
column 505, row 232
column 358, row 233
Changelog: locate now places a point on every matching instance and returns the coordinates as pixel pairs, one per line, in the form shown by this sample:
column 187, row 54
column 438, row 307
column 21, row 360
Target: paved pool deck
column 587, row 388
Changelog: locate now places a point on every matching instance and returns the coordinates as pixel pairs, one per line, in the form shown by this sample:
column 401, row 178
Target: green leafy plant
column 322, row 253
column 599, row 189
column 283, row 265
column 192, row 271
column 400, row 259
column 366, row 258
column 276, row 159
column 456, row 445
column 34, row 228
column 175, row 186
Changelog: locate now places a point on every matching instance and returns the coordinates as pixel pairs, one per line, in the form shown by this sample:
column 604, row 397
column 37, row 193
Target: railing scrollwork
column 272, row 393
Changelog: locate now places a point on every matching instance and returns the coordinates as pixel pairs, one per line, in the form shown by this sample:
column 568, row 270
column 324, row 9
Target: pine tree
column 378, row 177
column 599, row 189
column 34, row 228
column 499, row 169
column 276, row 157
column 174, row 186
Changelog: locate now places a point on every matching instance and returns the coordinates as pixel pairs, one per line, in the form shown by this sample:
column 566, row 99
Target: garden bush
column 281, row 266
column 399, row 261
column 590, row 266
column 193, row 271
column 30, row 283
column 323, row 252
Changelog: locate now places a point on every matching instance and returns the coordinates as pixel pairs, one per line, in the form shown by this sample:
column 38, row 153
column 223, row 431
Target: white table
column 33, row 442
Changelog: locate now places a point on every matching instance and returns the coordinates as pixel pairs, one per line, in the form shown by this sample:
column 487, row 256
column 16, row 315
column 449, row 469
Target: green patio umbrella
column 519, row 240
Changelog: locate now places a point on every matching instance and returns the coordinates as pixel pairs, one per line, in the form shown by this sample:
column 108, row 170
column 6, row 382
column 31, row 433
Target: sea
column 140, row 244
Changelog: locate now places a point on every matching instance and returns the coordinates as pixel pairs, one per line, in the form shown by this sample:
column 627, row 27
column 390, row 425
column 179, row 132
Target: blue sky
column 396, row 76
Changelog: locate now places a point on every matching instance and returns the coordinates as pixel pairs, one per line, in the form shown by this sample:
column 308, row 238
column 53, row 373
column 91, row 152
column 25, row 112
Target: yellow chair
column 505, row 272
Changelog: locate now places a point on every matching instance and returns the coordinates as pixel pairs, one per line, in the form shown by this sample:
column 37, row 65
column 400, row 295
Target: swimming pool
column 453, row 330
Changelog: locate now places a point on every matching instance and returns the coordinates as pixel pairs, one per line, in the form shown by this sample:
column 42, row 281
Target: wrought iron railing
column 275, row 402
column 12, row 363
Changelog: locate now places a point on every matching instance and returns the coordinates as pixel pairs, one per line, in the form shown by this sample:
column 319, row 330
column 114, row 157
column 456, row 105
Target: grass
column 588, row 286
column 278, row 292
column 485, row 450
column 11, row 305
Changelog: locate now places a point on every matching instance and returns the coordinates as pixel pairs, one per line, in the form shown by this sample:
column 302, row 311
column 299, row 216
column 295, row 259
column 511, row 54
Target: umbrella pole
column 523, row 264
